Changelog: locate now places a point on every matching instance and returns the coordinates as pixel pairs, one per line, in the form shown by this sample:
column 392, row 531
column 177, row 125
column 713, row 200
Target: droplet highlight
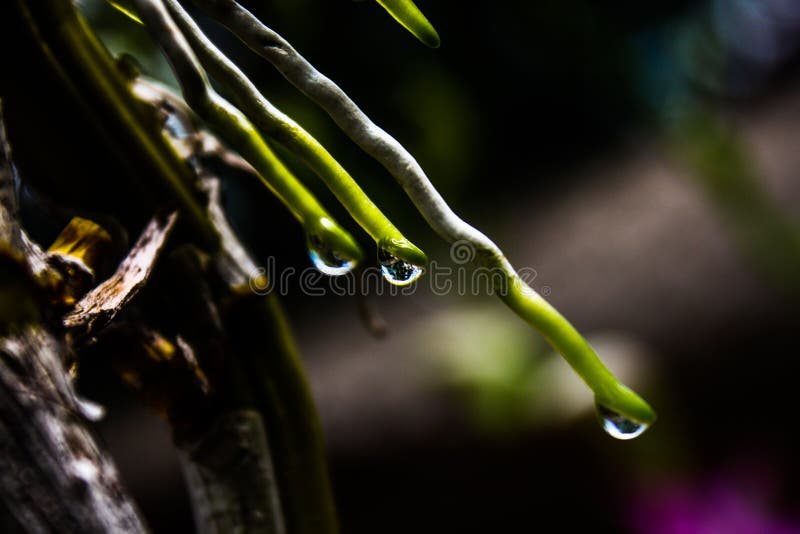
column 618, row 426
column 396, row 271
column 328, row 261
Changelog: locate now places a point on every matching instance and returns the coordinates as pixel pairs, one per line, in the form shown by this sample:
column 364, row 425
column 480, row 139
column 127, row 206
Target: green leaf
column 408, row 14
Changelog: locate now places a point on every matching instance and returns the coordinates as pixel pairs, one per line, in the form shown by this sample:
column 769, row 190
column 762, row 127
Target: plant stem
column 521, row 298
column 239, row 132
column 286, row 131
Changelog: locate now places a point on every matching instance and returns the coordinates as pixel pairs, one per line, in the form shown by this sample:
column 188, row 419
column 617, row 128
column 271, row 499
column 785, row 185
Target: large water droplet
column 397, row 271
column 328, row 261
column 617, row 425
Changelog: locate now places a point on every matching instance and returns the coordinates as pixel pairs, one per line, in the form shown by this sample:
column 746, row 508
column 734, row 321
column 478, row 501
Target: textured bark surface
column 53, row 475
column 98, row 307
column 226, row 473
column 176, row 321
column 243, row 340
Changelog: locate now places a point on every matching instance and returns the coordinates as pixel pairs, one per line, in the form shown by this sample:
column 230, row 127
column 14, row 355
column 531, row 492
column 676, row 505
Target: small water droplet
column 617, row 425
column 328, row 261
column 397, row 271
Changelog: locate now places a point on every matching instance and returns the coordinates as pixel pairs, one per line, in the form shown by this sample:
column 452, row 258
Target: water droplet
column 397, row 271
column 617, row 425
column 327, row 261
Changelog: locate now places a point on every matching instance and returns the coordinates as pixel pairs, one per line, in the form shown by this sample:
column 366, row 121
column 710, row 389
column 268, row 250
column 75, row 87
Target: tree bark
column 53, row 475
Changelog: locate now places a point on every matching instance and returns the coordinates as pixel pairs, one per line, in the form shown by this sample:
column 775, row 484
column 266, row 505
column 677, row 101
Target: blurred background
column 643, row 159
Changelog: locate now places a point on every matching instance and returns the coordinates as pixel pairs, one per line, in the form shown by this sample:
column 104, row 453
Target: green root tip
column 335, row 238
column 404, row 250
column 625, row 401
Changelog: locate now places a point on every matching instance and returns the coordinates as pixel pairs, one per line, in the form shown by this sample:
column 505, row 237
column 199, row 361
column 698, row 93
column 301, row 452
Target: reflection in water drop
column 328, row 261
column 618, row 426
column 397, row 271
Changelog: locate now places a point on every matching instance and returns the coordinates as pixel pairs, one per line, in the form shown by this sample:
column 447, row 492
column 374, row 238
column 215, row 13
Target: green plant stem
column 567, row 341
column 522, row 299
column 286, row 131
column 235, row 129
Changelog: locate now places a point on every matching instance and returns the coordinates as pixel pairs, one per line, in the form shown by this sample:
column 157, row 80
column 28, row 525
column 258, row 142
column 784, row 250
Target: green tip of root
column 335, row 238
column 625, row 401
column 411, row 18
column 404, row 250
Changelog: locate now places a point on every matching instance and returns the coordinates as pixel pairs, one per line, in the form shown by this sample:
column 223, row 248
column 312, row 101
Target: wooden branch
column 15, row 241
column 101, row 305
column 222, row 440
column 234, row 263
column 53, row 476
column 262, row 368
column 230, row 476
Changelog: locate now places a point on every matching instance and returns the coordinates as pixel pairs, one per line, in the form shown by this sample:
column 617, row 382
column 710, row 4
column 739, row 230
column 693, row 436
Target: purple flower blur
column 731, row 506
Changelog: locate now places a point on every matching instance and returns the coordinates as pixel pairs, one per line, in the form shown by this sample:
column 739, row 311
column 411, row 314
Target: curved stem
column 240, row 133
column 271, row 121
column 521, row 298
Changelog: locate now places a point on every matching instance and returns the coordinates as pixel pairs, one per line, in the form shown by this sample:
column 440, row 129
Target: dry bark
column 53, row 475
